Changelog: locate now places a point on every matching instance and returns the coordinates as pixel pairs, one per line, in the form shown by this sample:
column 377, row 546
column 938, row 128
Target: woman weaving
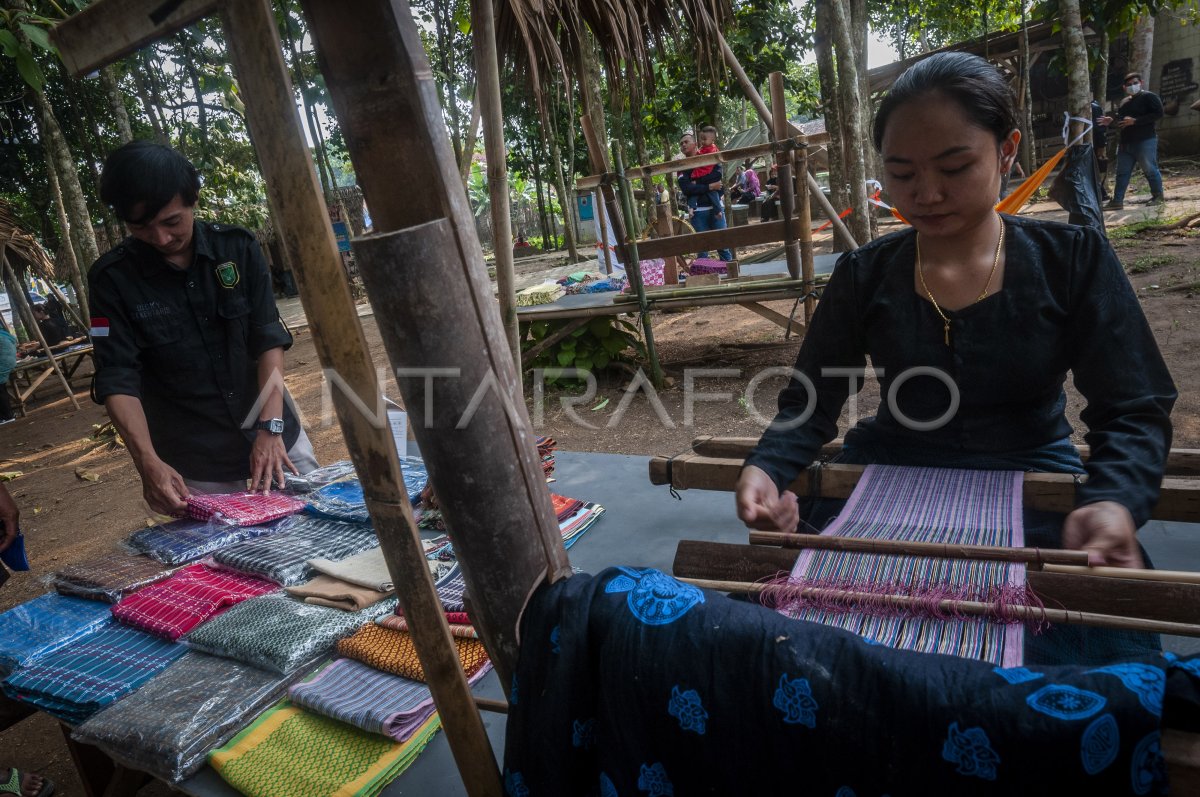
column 999, row 307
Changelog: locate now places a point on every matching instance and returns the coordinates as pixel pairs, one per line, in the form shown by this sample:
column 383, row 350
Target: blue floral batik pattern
column 1066, row 702
column 554, row 634
column 584, row 733
column 686, row 707
column 1144, row 680
column 514, row 785
column 607, row 789
column 1017, row 675
column 1148, row 770
column 794, row 698
column 970, row 752
column 654, row 597
column 654, row 781
column 845, row 791
column 1100, row 744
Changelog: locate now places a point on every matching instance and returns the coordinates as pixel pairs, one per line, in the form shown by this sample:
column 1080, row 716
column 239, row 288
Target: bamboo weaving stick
column 1032, row 556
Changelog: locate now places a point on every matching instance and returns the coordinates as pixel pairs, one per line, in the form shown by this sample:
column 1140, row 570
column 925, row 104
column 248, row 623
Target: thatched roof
column 544, row 36
column 21, row 249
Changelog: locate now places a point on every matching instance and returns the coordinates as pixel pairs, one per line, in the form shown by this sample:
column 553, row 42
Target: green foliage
column 913, row 26
column 1150, row 262
column 595, row 346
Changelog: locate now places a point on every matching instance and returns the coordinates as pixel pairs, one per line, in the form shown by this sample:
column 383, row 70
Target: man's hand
column 11, row 516
column 268, row 458
column 1126, row 121
column 163, row 487
column 717, row 186
column 1105, row 530
column 761, row 507
column 1104, row 121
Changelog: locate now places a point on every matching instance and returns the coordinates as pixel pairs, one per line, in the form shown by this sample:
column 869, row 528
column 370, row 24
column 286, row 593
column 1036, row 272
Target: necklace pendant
column 946, row 332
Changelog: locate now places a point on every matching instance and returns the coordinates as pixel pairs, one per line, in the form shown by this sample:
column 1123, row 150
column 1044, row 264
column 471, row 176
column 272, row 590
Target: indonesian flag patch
column 99, row 328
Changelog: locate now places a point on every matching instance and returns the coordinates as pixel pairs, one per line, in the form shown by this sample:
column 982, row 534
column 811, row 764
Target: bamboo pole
column 1037, row 557
column 1032, row 614
column 602, row 218
column 786, row 188
column 487, row 88
column 1131, row 573
column 305, row 233
column 23, row 303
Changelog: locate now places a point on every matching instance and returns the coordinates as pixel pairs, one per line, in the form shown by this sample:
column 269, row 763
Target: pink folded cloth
column 242, row 509
column 194, row 595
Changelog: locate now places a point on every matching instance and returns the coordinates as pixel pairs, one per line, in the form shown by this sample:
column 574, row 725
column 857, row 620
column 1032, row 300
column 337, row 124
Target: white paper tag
column 398, row 421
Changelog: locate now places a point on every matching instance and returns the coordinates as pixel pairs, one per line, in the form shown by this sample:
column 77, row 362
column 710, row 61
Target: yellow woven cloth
column 289, row 752
column 393, row 651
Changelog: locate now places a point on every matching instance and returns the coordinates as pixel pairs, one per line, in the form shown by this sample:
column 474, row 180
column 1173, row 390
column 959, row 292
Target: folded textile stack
column 280, row 633
column 182, row 541
column 168, row 727
column 366, row 569
column 289, row 752
column 325, row 590
column 450, row 590
column 706, row 265
column 193, row 595
column 242, row 509
column 393, row 651
column 110, row 577
column 306, row 483
column 78, row 680
column 397, row 622
column 604, row 285
column 283, row 557
column 366, row 698
column 344, row 500
column 546, row 446
column 45, row 624
column 574, row 518
column 580, row 521
column 540, row 294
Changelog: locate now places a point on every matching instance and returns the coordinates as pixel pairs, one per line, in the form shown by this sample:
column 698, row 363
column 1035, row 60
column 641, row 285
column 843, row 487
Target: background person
column 703, row 218
column 1136, row 117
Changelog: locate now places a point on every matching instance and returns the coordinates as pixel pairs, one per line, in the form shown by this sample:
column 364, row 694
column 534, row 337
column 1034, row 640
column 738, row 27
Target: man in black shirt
column 1139, row 112
column 188, row 342
column 51, row 329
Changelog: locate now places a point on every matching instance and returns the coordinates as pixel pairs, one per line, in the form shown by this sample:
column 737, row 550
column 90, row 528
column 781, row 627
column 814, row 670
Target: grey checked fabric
column 283, row 557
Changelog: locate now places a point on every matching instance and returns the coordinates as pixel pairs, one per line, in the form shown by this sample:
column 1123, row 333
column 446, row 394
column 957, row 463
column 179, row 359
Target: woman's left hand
column 268, row 458
column 1105, row 530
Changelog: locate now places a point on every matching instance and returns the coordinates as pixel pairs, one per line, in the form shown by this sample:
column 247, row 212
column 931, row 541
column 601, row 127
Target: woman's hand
column 268, row 458
column 760, row 505
column 1105, row 530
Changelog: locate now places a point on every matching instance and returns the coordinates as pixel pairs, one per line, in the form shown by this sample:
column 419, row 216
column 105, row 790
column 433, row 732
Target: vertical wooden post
column 305, row 233
column 664, row 222
column 602, row 220
column 804, row 220
column 22, row 301
column 487, row 95
column 787, row 188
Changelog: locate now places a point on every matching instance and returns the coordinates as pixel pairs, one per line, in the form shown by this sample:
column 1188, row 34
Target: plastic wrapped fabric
column 366, row 698
column 393, row 651
column 110, row 577
column 344, row 500
column 195, row 594
column 1077, row 188
column 168, row 727
column 78, row 680
column 182, row 541
column 45, row 624
column 283, row 557
column 289, row 752
column 307, row 482
column 242, row 509
column 279, row 633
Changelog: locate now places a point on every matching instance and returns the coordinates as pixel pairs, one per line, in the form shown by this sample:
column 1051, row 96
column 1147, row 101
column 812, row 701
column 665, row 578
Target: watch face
column 275, row 426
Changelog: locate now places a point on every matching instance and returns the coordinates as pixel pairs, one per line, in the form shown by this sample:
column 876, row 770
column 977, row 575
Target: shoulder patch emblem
column 227, row 274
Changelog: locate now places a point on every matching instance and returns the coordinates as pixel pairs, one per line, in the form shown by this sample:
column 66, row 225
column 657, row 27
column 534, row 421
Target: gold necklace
column 980, row 298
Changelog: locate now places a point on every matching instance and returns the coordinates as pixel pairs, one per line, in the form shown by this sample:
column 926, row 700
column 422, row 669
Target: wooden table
column 31, row 372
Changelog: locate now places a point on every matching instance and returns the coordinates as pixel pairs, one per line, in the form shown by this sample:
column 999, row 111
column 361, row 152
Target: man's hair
column 40, row 307
column 142, row 177
column 1131, row 74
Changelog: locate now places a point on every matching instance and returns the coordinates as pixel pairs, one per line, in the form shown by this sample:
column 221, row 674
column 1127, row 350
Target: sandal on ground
column 14, row 785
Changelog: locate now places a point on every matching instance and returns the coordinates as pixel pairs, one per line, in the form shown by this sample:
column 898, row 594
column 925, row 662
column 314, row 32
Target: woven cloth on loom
column 109, row 578
column 182, row 541
column 289, row 752
column 283, row 557
column 242, row 509
column 280, row 633
column 376, row 702
column 168, row 726
column 344, row 500
column 193, row 595
column 326, row 590
column 959, row 507
column 399, row 623
column 394, row 652
column 80, row 679
column 45, row 624
column 540, row 294
column 366, row 569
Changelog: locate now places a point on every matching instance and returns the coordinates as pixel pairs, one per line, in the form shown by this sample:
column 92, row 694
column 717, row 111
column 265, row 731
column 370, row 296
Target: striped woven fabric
column 399, row 623
column 45, row 624
column 183, row 541
column 80, row 679
column 283, row 557
column 168, row 726
column 110, row 577
column 289, row 752
column 967, row 507
column 366, row 698
column 242, row 509
column 197, row 593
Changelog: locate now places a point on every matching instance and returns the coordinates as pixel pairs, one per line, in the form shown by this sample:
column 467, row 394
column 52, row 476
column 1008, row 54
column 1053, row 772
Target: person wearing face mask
column 1136, row 117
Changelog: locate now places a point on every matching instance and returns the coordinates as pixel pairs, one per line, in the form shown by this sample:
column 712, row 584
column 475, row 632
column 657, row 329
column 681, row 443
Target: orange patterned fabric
column 393, row 651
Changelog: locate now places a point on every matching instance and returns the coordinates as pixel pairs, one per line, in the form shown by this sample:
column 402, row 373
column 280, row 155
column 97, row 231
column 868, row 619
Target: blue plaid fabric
column 183, row 541
column 45, row 624
column 283, row 557
column 80, row 679
column 344, row 500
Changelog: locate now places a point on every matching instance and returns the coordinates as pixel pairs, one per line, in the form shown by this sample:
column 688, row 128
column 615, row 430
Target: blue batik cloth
column 85, row 676
column 634, row 683
column 45, row 624
column 182, row 541
column 344, row 500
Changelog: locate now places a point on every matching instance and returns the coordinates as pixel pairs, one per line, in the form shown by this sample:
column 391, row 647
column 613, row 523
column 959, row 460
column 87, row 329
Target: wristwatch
column 272, row 425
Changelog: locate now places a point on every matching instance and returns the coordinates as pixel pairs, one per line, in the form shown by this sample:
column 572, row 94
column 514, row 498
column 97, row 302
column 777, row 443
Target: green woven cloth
column 540, row 294
column 289, row 752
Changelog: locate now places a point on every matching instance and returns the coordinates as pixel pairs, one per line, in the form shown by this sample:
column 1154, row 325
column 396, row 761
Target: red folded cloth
column 242, row 509
column 193, row 595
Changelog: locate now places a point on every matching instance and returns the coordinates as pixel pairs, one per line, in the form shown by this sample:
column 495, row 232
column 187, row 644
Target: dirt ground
column 67, row 518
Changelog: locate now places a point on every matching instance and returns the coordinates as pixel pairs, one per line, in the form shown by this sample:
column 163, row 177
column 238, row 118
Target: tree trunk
column 19, row 308
column 1142, row 42
column 852, row 108
column 1079, row 88
column 1100, row 69
column 560, row 186
column 148, row 106
column 1025, row 101
column 589, row 91
column 82, row 236
column 827, row 74
column 873, row 162
column 116, row 102
column 464, row 163
column 193, row 75
column 154, row 93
